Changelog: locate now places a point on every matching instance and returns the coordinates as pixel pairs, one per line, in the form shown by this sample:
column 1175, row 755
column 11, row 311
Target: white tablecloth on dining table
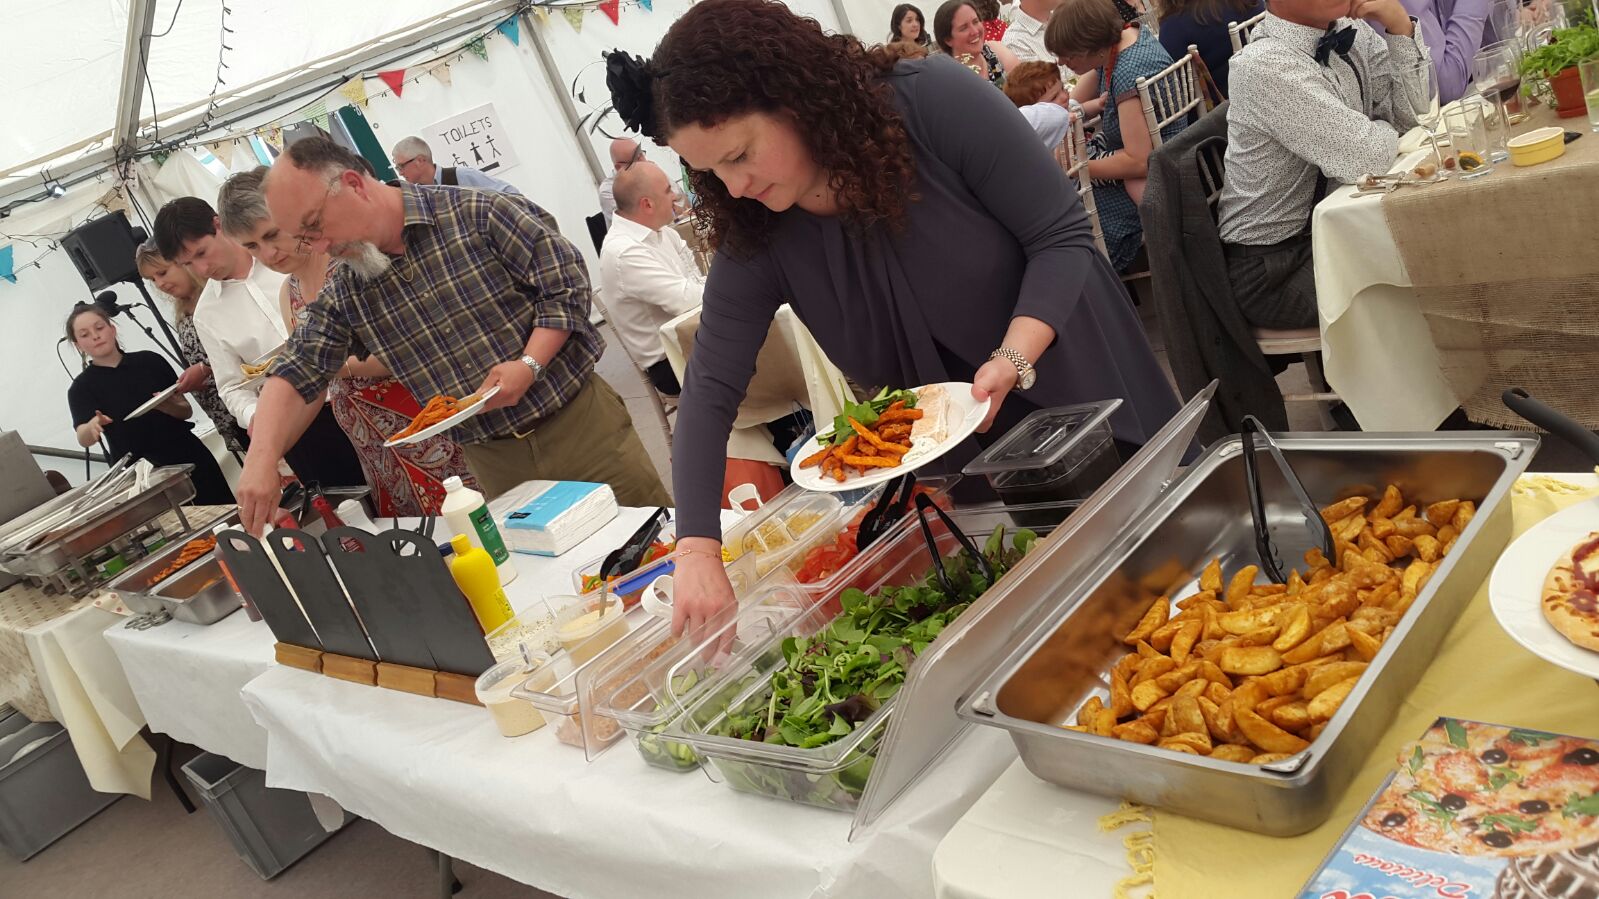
column 1377, row 351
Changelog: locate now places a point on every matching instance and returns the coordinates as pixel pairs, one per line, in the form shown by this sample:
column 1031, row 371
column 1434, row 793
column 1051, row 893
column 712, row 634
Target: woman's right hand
column 89, row 432
column 193, row 377
column 702, row 595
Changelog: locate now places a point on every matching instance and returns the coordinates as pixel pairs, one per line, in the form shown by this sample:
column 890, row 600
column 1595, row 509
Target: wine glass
column 1496, row 74
column 1418, row 88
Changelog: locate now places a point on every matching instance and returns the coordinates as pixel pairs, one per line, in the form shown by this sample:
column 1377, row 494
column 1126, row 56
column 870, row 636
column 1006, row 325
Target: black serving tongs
column 924, row 503
column 630, row 555
column 888, row 510
column 1265, row 546
column 1521, row 402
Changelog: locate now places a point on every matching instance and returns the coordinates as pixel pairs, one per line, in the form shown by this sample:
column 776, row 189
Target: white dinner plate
column 1515, row 590
column 262, row 360
column 965, row 414
column 466, row 412
column 153, row 402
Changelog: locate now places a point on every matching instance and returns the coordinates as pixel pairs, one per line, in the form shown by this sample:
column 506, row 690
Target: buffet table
column 1441, row 296
column 1040, row 834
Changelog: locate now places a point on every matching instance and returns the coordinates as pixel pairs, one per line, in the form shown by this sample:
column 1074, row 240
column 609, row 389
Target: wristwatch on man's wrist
column 530, row 362
column 1026, row 376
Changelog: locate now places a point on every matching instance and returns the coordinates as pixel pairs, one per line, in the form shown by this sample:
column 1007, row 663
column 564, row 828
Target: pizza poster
column 1475, row 810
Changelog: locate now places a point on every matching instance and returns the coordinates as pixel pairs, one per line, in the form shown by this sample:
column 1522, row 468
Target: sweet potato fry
column 871, row 437
column 872, row 461
column 895, row 415
column 816, row 458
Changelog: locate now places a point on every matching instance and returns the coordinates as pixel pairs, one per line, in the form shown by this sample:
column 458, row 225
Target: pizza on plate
column 1467, row 788
column 1571, row 594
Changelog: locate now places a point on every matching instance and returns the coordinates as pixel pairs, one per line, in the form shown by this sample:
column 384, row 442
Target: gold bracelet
column 699, row 552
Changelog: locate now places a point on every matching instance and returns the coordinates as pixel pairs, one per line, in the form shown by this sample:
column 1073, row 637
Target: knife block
column 356, row 671
column 406, row 678
column 301, row 657
column 458, row 687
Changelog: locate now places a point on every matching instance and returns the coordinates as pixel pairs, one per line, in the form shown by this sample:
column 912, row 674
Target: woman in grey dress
column 184, row 287
column 907, row 214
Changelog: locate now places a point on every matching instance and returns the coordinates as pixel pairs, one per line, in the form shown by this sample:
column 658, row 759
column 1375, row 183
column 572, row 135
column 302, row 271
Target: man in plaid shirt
column 457, row 291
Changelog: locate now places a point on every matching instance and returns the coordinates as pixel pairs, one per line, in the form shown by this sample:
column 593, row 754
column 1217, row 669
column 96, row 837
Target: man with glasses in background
column 458, row 292
column 413, row 159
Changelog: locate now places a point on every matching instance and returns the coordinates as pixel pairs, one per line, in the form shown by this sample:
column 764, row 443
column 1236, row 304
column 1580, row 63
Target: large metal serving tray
column 169, row 488
column 1067, row 658
column 199, row 593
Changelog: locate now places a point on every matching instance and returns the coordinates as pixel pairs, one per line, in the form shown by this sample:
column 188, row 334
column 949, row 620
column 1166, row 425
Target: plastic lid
column 1043, row 438
column 498, row 682
column 452, row 483
column 461, row 543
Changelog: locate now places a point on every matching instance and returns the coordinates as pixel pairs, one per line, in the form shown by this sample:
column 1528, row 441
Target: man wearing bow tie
column 1318, row 97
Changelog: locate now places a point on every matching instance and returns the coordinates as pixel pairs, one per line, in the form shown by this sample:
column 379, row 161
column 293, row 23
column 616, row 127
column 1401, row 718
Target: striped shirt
column 480, row 271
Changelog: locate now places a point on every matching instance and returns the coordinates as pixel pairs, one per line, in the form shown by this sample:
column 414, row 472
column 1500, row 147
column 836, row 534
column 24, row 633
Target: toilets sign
column 473, row 138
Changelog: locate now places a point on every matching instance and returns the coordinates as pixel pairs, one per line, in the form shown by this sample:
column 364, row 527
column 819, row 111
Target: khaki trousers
column 591, row 439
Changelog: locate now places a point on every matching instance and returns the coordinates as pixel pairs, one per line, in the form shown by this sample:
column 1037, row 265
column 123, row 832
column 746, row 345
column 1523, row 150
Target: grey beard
column 365, row 259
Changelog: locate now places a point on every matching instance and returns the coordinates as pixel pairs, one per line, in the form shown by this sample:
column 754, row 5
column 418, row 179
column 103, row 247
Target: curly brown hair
column 726, row 58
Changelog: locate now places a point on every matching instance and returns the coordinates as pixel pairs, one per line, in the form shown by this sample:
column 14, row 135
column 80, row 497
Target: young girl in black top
column 117, row 383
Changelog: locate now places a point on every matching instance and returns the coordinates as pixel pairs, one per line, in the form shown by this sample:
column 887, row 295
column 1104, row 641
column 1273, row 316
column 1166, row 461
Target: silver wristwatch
column 530, row 362
column 1025, row 374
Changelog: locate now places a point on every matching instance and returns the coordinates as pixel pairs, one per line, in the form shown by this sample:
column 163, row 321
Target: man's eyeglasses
column 312, row 230
column 398, row 165
column 638, row 153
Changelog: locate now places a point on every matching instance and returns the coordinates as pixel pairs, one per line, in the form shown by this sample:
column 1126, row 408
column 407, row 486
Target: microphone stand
column 128, row 311
column 172, row 339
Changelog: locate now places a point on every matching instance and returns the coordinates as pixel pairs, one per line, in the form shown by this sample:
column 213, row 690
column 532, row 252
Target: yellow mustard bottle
column 474, row 572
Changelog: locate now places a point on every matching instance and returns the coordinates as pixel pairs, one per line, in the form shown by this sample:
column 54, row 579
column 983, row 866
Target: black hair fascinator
column 629, row 78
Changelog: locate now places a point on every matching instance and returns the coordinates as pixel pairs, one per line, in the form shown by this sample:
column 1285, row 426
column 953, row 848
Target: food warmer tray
column 94, row 527
column 1065, row 657
column 199, row 593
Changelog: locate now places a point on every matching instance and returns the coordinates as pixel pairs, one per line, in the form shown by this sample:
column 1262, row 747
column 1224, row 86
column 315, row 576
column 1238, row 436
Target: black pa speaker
column 102, row 249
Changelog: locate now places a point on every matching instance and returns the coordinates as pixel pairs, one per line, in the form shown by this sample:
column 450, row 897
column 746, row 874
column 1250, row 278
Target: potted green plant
column 1555, row 64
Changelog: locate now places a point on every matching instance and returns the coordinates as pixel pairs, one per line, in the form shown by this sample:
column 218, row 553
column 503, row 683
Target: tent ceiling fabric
column 61, row 60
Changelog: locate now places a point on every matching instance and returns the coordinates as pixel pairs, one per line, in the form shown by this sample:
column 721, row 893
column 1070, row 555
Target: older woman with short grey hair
column 368, row 403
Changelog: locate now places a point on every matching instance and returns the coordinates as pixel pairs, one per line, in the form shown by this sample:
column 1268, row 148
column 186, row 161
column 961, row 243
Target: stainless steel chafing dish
column 1066, row 657
column 198, row 593
column 56, row 543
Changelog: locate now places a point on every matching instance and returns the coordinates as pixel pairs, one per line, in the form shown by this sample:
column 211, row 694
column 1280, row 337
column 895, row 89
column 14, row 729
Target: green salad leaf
column 866, row 413
column 1581, row 805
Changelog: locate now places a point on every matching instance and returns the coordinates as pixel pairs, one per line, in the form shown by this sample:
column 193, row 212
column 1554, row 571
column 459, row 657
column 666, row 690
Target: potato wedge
column 1390, row 504
column 1191, row 741
column 1398, row 546
column 1285, row 681
column 1265, row 734
column 1250, row 660
column 1325, row 676
column 1077, row 727
column 1121, row 696
column 1382, row 528
column 1428, row 549
column 1210, row 578
column 1326, row 703
column 1178, row 746
column 1292, row 716
column 1152, row 668
column 1414, row 527
column 1185, row 716
column 1238, row 587
column 1183, row 644
column 1232, row 752
column 1364, row 645
column 1211, row 712
column 1200, row 598
column 1414, row 578
column 1212, row 672
column 1262, row 637
column 1175, row 678
column 1323, row 642
column 1348, row 530
column 1156, row 615
column 1103, row 723
column 1146, row 694
column 1245, row 621
column 1369, row 543
column 1295, row 628
column 1135, row 732
column 1464, row 515
column 1162, row 636
column 1442, row 512
column 1089, row 709
column 1193, row 689
column 1343, row 508
column 1296, row 583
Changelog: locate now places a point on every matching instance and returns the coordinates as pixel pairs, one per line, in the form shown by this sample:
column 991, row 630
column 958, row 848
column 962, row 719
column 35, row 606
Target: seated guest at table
column 908, row 25
column 457, row 291
column 1025, row 36
column 184, row 287
column 1103, row 40
column 367, row 402
column 958, row 29
column 239, row 322
column 114, row 385
column 908, row 216
column 1311, row 104
column 413, row 159
column 1452, row 31
column 1203, row 24
column 647, row 274
column 994, row 23
column 624, row 152
column 1036, row 89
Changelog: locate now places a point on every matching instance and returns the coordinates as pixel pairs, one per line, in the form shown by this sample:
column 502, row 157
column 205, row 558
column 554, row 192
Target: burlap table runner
column 1506, row 271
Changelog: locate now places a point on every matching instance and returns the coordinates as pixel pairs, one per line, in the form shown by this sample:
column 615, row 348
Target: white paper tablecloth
column 438, row 773
column 1377, row 351
column 187, row 680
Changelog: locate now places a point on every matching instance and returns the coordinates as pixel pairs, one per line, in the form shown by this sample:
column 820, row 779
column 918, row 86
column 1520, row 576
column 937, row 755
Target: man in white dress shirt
column 647, row 274
column 413, row 159
column 240, row 321
column 1025, row 34
column 1316, row 99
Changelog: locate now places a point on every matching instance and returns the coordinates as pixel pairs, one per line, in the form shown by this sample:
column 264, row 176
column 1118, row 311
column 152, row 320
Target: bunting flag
column 541, row 15
column 115, row 200
column 648, row 5
column 8, row 263
column 223, row 151
column 274, row 136
column 613, row 10
column 395, row 79
column 574, row 17
column 317, row 114
column 477, row 46
column 511, row 28
column 442, row 72
column 354, row 90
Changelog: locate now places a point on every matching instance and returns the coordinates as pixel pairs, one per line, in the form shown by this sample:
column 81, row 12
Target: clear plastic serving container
column 629, row 586
column 1052, row 456
column 832, row 775
column 774, row 533
column 835, row 545
column 645, row 695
